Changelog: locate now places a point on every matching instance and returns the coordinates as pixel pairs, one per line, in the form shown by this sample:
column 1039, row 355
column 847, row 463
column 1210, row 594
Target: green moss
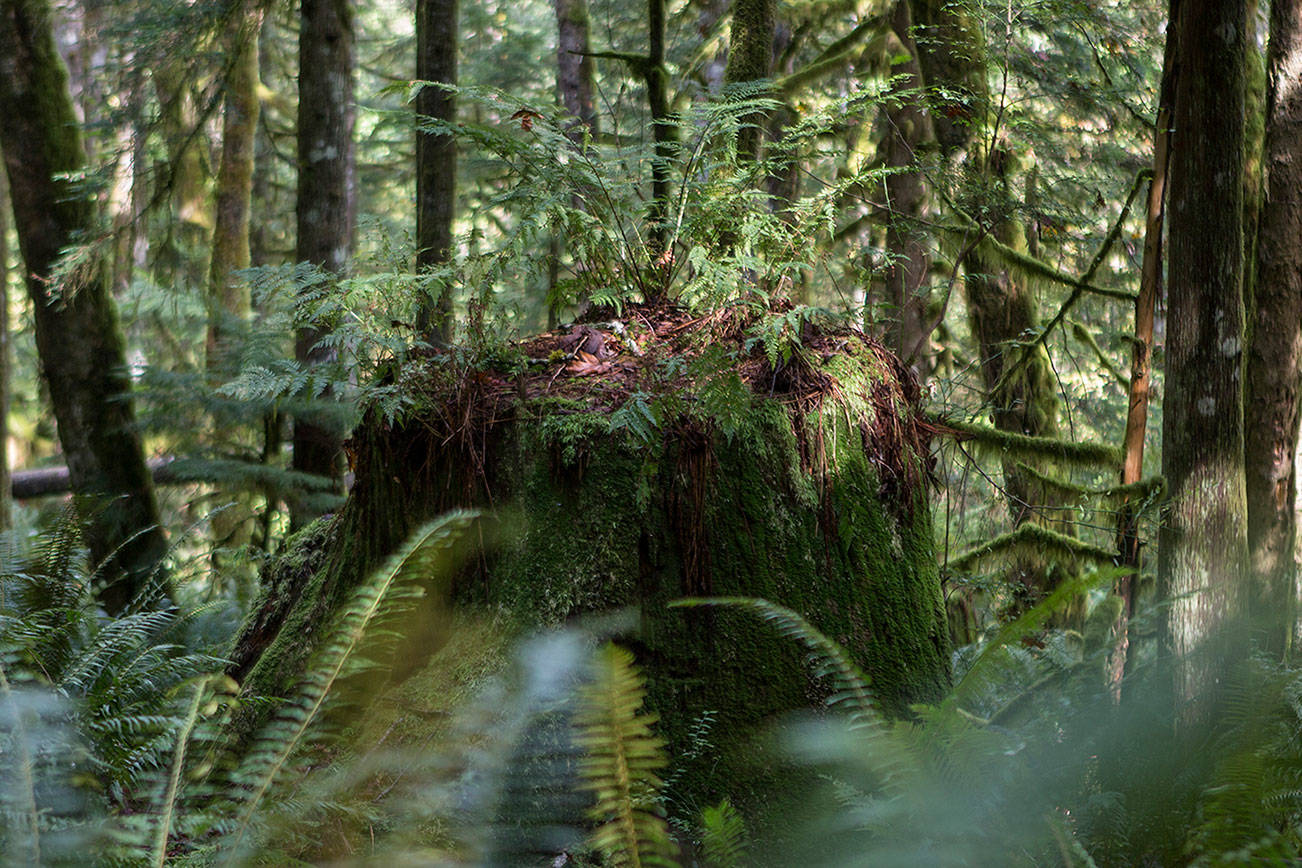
column 818, row 509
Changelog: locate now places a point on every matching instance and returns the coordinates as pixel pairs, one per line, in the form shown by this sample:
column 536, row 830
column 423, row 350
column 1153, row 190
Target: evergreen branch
column 1145, row 490
column 1083, row 335
column 1084, row 284
column 836, row 56
column 1089, row 454
column 1035, row 537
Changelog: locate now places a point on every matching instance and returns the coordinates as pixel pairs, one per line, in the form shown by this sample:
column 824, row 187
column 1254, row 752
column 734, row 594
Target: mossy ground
column 813, row 497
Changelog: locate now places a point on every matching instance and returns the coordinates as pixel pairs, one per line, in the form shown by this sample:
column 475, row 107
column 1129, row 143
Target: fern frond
column 851, row 686
column 985, row 670
column 723, row 836
column 276, row 745
column 622, row 758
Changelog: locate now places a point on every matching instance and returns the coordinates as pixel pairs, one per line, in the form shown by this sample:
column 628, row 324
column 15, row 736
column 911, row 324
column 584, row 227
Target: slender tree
column 436, row 156
column 1275, row 354
column 750, row 59
column 228, row 295
column 77, row 333
column 663, row 134
column 325, row 207
column 188, row 177
column 1203, row 542
column 576, row 88
column 574, row 68
column 908, row 132
column 6, row 363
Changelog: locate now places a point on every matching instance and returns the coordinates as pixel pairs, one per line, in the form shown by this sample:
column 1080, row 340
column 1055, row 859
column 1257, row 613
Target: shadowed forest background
column 687, row 432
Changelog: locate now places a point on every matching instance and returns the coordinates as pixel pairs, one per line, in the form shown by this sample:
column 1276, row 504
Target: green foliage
column 723, row 836
column 621, row 762
column 269, row 758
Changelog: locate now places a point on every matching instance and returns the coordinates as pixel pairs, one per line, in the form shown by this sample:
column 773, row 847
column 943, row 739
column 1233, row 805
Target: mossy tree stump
column 632, row 464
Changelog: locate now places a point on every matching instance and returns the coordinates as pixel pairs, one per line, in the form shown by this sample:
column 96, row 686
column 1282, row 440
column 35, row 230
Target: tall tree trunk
column 325, row 205
column 576, row 88
column 186, row 251
column 1275, row 355
column 750, row 59
column 1203, row 543
column 228, row 296
column 77, row 333
column 1141, row 372
column 908, row 130
column 952, row 57
column 663, row 134
column 1019, row 381
column 436, row 157
column 6, row 365
column 574, row 73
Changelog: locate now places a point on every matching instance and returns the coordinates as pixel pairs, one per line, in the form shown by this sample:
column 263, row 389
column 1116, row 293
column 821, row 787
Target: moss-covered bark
column 77, row 333
column 816, row 501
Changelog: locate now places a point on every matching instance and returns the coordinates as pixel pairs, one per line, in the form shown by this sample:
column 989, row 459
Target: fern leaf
column 829, row 660
column 277, row 744
column 723, row 836
column 621, row 762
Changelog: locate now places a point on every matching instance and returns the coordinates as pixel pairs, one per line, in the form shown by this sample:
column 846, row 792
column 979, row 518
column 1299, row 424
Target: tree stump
column 635, row 462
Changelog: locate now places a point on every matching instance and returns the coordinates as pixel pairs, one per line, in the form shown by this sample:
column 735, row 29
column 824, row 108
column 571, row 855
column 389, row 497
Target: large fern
column 276, row 745
column 621, row 764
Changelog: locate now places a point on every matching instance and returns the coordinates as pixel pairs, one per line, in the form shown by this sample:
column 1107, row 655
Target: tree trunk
column 228, row 296
column 77, row 333
column 186, row 252
column 952, row 57
column 750, row 59
column 663, row 134
column 908, row 131
column 325, row 208
column 574, row 70
column 1275, row 355
column 823, row 509
column 6, row 356
column 575, row 86
column 436, row 158
column 1203, row 543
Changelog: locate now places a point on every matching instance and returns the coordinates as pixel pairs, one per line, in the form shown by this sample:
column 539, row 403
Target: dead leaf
column 526, row 117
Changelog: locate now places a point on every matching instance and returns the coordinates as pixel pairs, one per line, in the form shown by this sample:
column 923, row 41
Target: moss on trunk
column 814, row 498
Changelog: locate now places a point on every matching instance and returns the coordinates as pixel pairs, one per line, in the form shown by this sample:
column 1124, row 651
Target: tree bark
column 909, row 129
column 576, row 88
column 663, row 134
column 574, row 72
column 325, row 207
column 436, row 157
column 952, row 57
column 6, row 365
column 1275, row 355
column 77, row 334
column 750, row 59
column 188, row 176
column 1203, row 542
column 228, row 297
